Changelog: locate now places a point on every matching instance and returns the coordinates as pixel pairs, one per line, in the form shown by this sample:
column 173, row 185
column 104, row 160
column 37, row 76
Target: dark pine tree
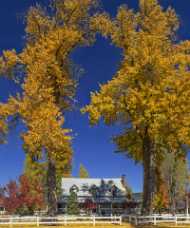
column 72, row 204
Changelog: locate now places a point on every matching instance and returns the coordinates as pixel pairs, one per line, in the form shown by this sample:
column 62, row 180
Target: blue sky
column 92, row 145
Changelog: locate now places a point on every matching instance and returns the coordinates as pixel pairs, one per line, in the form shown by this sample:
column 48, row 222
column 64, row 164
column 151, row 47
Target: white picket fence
column 59, row 220
column 157, row 219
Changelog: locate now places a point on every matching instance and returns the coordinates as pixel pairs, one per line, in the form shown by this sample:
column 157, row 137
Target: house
column 2, row 209
column 102, row 196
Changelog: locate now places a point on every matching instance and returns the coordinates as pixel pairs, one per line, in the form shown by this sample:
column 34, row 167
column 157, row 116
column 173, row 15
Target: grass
column 71, row 226
column 163, row 226
column 125, row 225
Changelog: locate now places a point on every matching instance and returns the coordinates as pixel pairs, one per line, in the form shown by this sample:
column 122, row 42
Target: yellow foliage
column 150, row 92
column 45, row 66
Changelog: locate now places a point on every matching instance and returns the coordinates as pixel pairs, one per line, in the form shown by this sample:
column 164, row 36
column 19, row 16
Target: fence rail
column 157, row 219
column 59, row 220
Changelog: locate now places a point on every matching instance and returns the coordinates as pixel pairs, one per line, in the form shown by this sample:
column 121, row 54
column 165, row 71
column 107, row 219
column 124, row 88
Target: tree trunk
column 187, row 204
column 51, row 188
column 149, row 176
column 173, row 206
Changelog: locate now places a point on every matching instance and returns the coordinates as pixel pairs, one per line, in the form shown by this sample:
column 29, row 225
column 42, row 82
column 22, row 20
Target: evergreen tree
column 83, row 173
column 72, row 203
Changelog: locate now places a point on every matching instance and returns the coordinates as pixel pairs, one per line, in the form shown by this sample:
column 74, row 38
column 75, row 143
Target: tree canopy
column 149, row 94
column 45, row 71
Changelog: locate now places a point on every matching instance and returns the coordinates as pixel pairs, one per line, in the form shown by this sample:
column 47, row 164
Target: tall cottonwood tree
column 44, row 69
column 149, row 94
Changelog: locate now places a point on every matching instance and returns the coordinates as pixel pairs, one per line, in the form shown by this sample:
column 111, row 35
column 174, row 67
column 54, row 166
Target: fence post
column 120, row 220
column 176, row 220
column 37, row 221
column 10, row 222
column 136, row 221
column 154, row 219
column 94, row 220
column 187, row 217
column 65, row 220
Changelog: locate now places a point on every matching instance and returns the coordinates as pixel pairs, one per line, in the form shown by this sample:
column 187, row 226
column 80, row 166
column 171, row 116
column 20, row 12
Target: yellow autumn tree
column 5, row 111
column 149, row 94
column 45, row 71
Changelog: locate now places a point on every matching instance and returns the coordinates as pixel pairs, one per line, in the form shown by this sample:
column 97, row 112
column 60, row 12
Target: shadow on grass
column 162, row 226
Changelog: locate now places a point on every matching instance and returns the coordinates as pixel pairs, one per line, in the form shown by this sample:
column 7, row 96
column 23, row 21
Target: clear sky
column 92, row 145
